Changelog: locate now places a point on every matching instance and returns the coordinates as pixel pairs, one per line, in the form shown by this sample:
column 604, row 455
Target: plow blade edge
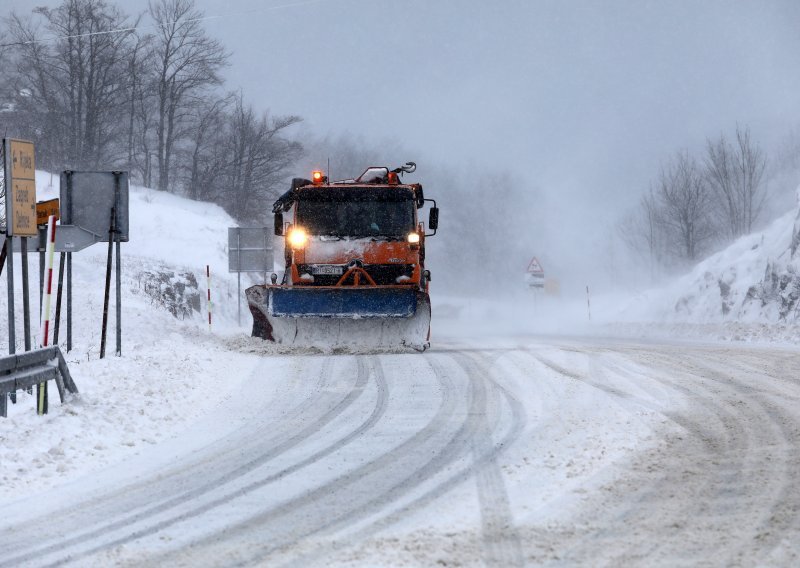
column 340, row 316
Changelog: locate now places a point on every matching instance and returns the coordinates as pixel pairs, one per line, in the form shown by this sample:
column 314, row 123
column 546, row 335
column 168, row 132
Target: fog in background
column 535, row 124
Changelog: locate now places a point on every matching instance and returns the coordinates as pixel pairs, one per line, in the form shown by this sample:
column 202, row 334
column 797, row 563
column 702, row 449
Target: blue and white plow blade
column 331, row 317
column 343, row 302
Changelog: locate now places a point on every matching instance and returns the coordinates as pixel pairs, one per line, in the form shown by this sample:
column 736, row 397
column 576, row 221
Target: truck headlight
column 298, row 237
column 413, row 238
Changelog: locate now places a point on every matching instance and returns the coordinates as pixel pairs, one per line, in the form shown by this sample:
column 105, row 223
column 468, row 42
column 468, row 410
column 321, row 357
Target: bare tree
column 144, row 144
column 685, row 205
column 735, row 173
column 206, row 156
column 139, row 56
column 259, row 161
column 643, row 231
column 187, row 62
column 70, row 90
column 788, row 155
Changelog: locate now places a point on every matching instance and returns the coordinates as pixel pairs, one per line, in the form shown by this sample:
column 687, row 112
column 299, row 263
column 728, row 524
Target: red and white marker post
column 41, row 388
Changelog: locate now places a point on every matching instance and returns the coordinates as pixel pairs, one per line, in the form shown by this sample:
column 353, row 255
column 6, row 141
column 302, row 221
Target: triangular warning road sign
column 534, row 267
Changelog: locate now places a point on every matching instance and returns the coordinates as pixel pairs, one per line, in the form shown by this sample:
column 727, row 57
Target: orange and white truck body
column 355, row 272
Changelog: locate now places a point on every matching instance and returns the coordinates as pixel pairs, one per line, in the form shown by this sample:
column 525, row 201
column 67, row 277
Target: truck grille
column 382, row 274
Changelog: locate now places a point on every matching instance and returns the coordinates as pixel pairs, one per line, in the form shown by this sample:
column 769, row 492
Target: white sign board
column 535, row 267
column 534, row 276
column 250, row 249
column 87, row 199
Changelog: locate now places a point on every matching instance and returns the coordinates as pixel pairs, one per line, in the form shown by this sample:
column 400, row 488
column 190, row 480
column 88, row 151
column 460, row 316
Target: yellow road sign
column 22, row 163
column 46, row 208
column 20, row 169
column 23, row 216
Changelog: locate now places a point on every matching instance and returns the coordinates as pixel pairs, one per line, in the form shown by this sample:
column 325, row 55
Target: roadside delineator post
column 208, row 289
column 588, row 304
column 41, row 388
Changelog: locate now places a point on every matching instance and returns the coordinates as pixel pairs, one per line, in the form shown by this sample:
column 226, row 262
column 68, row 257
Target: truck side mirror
column 279, row 224
column 433, row 219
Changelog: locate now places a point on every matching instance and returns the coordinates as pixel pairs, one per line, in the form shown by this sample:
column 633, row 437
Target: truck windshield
column 356, row 218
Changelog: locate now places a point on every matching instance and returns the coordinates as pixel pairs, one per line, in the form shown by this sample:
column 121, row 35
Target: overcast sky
column 588, row 91
column 585, row 98
column 575, row 93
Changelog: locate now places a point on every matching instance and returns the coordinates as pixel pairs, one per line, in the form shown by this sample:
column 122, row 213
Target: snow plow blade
column 341, row 316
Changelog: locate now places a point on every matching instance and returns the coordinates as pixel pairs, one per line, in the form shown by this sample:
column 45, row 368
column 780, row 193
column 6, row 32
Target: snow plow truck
column 355, row 273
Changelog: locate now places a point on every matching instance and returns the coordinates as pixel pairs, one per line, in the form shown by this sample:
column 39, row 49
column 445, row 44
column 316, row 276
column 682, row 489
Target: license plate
column 327, row 269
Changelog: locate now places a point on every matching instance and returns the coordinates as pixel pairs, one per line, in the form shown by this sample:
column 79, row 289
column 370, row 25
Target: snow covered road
column 510, row 452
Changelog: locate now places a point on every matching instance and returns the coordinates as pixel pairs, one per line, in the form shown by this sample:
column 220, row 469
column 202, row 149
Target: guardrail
column 23, row 370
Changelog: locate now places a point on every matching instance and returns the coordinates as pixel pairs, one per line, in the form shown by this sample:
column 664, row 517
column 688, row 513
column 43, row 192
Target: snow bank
column 172, row 369
column 753, row 281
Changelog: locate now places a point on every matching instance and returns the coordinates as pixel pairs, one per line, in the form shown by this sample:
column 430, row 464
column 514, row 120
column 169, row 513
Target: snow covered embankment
column 172, row 367
column 749, row 291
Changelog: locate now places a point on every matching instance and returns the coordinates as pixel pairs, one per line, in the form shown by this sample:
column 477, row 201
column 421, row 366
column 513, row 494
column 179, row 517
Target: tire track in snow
column 777, row 446
column 679, row 516
column 501, row 542
column 275, row 447
column 713, row 488
column 501, row 549
column 743, row 452
column 377, row 413
column 230, row 446
column 281, row 522
column 395, row 474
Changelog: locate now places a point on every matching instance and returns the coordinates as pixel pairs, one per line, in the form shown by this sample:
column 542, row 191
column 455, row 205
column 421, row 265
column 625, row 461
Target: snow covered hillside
column 172, row 364
column 756, row 280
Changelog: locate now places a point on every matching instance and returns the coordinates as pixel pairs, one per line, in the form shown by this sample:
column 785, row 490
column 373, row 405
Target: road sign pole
column 26, row 299
column 12, row 340
column 68, row 187
column 108, row 286
column 8, row 258
column 69, row 302
column 239, row 274
column 119, row 264
column 119, row 297
column 58, row 297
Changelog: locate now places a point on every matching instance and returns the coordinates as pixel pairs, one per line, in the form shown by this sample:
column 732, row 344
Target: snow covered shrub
column 178, row 293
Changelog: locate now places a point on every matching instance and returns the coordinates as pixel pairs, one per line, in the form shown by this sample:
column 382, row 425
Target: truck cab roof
column 303, row 190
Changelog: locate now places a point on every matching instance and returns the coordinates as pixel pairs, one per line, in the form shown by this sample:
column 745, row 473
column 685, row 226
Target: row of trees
column 96, row 89
column 698, row 203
